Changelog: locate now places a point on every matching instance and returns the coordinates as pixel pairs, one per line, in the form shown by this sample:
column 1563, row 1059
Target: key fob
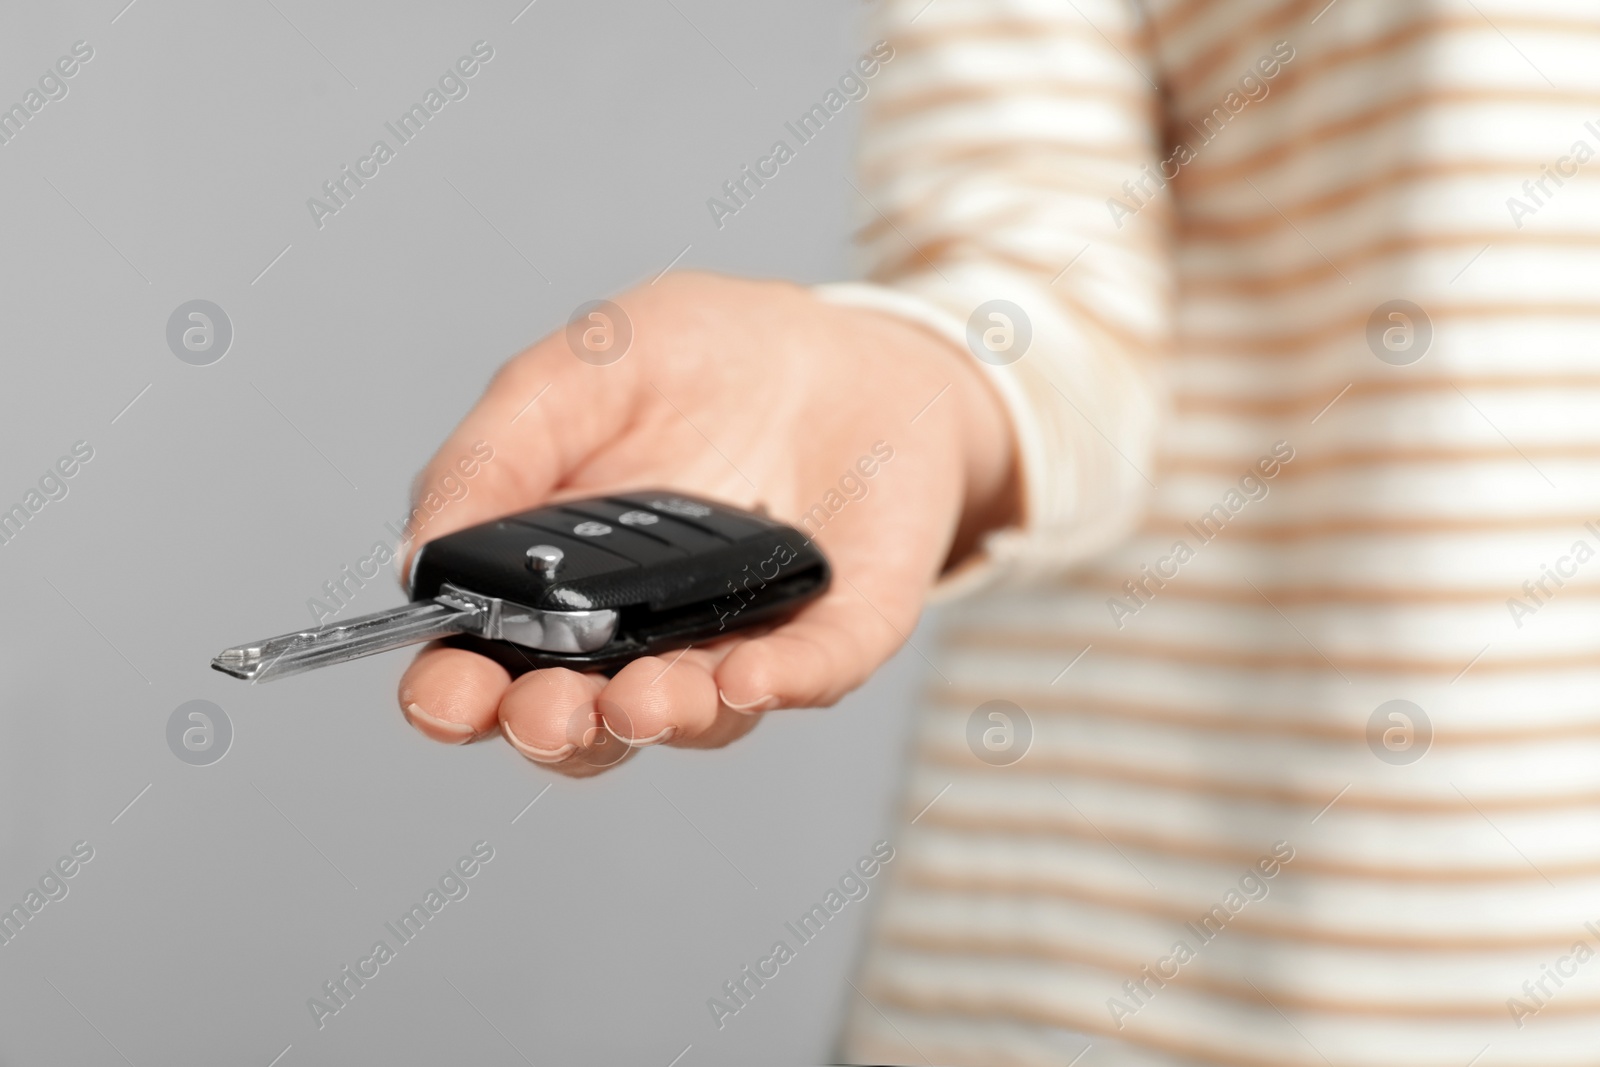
column 595, row 583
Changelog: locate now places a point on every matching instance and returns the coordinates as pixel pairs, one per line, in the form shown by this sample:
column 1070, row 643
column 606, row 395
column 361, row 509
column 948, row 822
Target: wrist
column 973, row 411
column 993, row 497
column 975, row 416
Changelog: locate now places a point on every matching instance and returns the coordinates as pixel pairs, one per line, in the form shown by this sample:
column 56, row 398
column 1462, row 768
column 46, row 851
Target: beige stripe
column 1240, row 40
column 1352, row 325
column 976, row 881
column 1139, row 107
column 1229, row 467
column 863, row 1047
column 1199, row 228
column 1323, row 595
column 1373, row 526
column 996, row 29
column 1167, row 23
column 1000, row 949
column 1275, row 278
column 1303, row 723
column 1208, row 172
column 945, row 153
column 1309, row 661
column 953, row 250
column 1051, row 826
column 1044, row 764
column 1303, row 71
column 1310, row 403
column 998, row 1007
column 1031, row 170
column 981, row 235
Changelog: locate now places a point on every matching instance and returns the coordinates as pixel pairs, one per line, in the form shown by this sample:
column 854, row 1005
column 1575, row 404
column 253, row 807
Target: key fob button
column 735, row 526
column 679, row 533
column 545, row 559
column 635, row 546
column 684, row 509
column 493, row 560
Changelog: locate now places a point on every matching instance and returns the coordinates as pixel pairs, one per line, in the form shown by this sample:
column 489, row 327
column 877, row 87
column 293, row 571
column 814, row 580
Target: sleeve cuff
column 1001, row 549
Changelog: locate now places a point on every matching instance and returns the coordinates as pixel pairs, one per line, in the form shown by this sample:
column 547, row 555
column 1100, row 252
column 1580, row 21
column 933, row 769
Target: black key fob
column 593, row 584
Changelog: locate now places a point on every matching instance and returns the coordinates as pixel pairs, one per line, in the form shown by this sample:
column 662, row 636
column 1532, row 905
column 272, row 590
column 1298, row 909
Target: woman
column 1242, row 355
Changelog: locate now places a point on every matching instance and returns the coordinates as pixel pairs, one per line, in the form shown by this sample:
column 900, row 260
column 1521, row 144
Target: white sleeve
column 994, row 140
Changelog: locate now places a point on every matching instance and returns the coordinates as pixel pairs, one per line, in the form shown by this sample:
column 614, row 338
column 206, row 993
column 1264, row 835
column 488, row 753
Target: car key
column 588, row 584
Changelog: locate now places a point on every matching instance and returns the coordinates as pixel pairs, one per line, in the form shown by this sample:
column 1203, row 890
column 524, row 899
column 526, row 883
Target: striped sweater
column 1271, row 735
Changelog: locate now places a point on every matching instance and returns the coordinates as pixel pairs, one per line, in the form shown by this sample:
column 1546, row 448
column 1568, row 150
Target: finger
column 824, row 652
column 541, row 416
column 668, row 699
column 450, row 694
column 550, row 717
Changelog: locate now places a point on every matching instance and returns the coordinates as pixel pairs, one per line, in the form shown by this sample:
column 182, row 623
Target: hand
column 756, row 394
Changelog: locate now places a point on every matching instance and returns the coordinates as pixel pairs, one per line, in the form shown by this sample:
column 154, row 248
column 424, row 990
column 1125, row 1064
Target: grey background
column 177, row 168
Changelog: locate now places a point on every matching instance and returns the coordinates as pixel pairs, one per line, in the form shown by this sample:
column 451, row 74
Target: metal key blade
column 280, row 657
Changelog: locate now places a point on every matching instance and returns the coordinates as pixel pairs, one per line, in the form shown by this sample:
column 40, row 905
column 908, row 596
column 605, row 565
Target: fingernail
column 645, row 742
column 754, row 707
column 404, row 574
column 538, row 755
column 458, row 730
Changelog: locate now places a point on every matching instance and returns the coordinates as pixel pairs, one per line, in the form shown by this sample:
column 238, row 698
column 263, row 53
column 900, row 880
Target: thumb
column 543, row 414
